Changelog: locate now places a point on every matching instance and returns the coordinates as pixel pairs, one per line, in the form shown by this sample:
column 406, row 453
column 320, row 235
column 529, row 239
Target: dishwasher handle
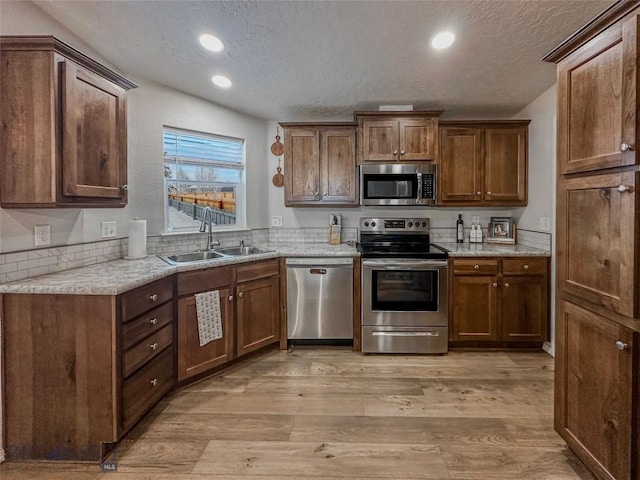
column 316, row 262
column 318, row 271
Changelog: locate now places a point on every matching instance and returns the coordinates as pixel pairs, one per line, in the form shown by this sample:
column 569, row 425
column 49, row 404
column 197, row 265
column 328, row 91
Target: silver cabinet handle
column 488, row 193
column 525, row 266
column 324, row 194
column 124, row 188
column 625, row 188
column 401, row 152
column 476, row 267
column 620, row 345
column 495, row 285
column 241, row 294
column 478, row 193
column 624, row 147
column 153, row 346
column 153, row 297
column 153, row 321
column 395, row 152
column 153, row 382
column 230, row 298
column 506, row 285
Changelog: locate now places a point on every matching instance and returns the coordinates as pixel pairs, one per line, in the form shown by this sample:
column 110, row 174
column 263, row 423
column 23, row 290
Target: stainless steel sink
column 240, row 251
column 180, row 258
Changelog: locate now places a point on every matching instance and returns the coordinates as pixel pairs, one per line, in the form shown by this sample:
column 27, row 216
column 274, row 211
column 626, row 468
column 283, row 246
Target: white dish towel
column 209, row 317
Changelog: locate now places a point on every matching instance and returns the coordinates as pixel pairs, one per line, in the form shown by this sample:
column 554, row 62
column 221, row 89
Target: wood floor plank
column 329, row 459
column 335, row 384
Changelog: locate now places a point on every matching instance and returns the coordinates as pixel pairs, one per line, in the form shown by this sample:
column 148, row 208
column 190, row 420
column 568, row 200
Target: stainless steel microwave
column 398, row 184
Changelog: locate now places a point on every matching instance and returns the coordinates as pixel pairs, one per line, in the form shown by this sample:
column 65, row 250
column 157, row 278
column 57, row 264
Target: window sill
column 197, row 232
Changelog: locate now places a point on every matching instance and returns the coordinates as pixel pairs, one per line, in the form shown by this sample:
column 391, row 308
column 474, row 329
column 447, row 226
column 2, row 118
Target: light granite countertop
column 491, row 250
column 118, row 276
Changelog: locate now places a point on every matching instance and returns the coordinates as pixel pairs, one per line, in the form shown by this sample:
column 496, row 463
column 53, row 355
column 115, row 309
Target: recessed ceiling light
column 211, row 42
column 221, row 81
column 442, row 40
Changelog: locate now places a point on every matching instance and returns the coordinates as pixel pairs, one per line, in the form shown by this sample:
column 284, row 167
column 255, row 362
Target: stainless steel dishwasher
column 320, row 298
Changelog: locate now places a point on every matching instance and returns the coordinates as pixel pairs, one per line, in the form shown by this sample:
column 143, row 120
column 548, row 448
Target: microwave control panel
column 428, row 190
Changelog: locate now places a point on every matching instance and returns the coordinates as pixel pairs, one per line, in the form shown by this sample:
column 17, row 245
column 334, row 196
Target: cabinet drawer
column 150, row 383
column 146, row 297
column 203, row 280
column 476, row 266
column 146, row 324
column 144, row 351
column 255, row 270
column 527, row 266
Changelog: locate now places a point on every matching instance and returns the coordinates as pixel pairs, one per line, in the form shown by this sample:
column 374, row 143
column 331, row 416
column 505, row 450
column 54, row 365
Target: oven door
column 404, row 292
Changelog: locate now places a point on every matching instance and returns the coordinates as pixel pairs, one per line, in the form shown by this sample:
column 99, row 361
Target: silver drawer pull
column 476, row 267
column 525, row 266
column 494, row 285
column 625, row 147
column 506, row 285
column 153, row 346
column 405, row 334
column 625, row 188
column 153, row 321
column 154, row 382
column 153, row 297
column 622, row 345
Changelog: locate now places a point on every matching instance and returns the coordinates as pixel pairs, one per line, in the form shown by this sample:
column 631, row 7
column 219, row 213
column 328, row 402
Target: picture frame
column 502, row 230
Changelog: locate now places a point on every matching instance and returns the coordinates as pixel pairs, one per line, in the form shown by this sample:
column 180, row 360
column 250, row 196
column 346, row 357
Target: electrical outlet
column 475, row 219
column 276, row 221
column 108, row 229
column 545, row 224
column 42, row 235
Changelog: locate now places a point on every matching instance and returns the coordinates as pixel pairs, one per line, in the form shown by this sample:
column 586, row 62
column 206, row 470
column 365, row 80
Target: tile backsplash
column 32, row 263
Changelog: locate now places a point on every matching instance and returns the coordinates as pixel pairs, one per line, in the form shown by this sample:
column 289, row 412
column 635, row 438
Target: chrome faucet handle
column 241, row 243
column 215, row 242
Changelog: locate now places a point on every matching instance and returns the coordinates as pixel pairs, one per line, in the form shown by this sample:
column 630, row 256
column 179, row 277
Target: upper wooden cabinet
column 597, row 96
column 320, row 164
column 483, row 163
column 397, row 136
column 64, row 130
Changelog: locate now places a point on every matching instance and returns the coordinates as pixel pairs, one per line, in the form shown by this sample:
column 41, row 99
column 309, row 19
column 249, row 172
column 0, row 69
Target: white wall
column 542, row 178
column 149, row 107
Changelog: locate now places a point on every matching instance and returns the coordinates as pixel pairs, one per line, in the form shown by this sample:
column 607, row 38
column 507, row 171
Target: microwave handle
column 419, row 198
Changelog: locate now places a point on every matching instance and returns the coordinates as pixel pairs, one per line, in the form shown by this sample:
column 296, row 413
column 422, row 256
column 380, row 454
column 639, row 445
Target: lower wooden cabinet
column 502, row 301
column 250, row 310
column 596, row 361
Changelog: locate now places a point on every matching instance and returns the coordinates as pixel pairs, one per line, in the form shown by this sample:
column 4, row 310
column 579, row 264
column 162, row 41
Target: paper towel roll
column 137, row 239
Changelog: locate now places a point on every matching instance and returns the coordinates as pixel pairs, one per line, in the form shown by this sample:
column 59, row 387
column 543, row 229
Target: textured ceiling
column 321, row 60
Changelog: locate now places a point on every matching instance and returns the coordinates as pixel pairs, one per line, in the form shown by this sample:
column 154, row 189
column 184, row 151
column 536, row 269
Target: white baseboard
column 547, row 347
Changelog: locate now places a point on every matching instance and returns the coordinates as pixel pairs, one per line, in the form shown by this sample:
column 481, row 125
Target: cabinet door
column 460, row 165
column 597, row 101
column 594, row 389
column 474, row 308
column 94, row 138
column 379, row 140
column 338, row 166
column 302, row 166
column 524, row 308
column 193, row 358
column 505, row 166
column 596, row 245
column 258, row 314
column 418, row 139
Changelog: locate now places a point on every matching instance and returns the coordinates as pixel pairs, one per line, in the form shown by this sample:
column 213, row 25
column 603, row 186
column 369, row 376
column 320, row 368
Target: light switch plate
column 276, row 221
column 545, row 224
column 107, row 229
column 42, row 235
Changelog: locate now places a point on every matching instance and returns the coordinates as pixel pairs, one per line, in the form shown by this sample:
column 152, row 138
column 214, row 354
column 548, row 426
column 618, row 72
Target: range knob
column 410, row 224
column 373, row 224
column 417, row 223
column 366, row 224
column 424, row 224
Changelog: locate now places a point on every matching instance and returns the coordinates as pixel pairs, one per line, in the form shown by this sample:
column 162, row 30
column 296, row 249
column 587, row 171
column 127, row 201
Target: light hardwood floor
column 333, row 414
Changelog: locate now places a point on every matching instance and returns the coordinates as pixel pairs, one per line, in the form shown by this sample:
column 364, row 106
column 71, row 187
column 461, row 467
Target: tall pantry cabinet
column 597, row 385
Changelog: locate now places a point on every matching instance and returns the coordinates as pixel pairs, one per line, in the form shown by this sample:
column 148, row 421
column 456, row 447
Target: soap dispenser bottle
column 460, row 229
column 479, row 234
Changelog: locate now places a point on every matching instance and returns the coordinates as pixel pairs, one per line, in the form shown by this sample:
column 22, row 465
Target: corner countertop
column 118, row 276
column 491, row 250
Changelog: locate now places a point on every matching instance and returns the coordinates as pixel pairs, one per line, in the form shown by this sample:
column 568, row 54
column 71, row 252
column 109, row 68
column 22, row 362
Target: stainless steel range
column 404, row 287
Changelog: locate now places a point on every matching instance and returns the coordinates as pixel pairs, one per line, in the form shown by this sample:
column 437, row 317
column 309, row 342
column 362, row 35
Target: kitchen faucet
column 207, row 221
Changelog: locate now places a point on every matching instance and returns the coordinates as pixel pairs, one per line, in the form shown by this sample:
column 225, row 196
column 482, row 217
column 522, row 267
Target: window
column 202, row 170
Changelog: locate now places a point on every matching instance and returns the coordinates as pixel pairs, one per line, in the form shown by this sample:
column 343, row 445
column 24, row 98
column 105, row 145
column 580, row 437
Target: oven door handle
column 395, row 265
